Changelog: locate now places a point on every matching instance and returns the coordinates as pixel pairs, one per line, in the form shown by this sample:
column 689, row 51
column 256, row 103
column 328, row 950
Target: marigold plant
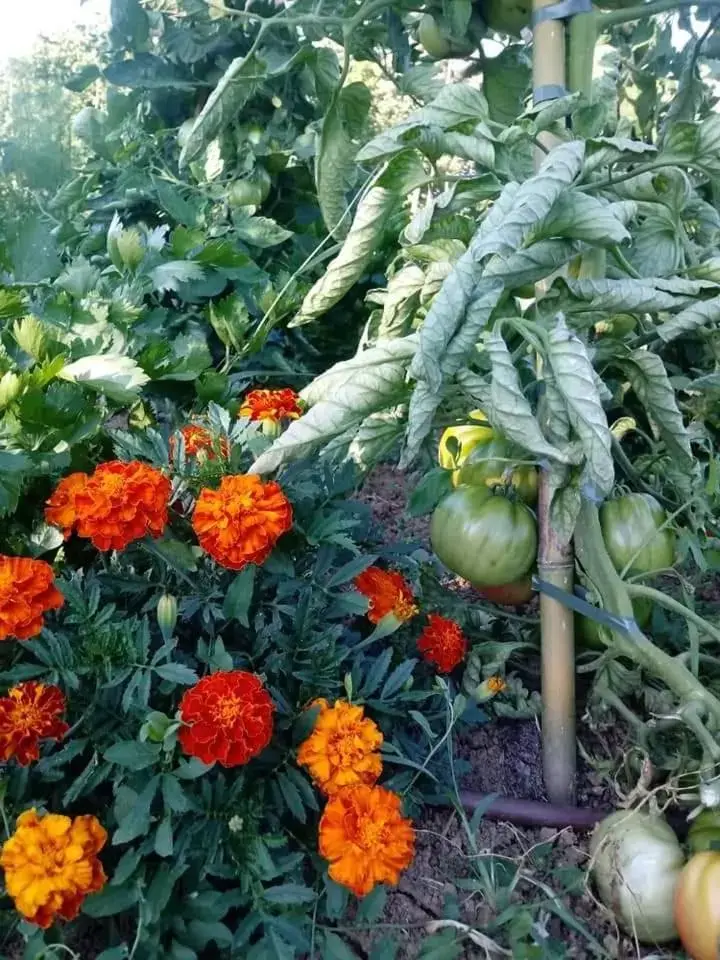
column 118, row 503
column 240, row 522
column 365, row 838
column 51, row 865
column 271, row 405
column 227, row 718
column 343, row 748
column 199, row 440
column 442, row 643
column 27, row 591
column 388, row 592
column 29, row 713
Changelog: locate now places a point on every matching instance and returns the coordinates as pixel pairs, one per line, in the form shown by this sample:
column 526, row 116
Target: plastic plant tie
column 549, row 91
column 576, row 602
column 563, row 10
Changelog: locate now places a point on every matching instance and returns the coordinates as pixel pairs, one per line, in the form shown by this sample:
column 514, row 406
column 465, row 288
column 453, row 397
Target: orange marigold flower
column 388, row 592
column 51, row 865
column 227, row 717
column 442, row 643
column 30, row 712
column 240, row 522
column 118, row 503
column 365, row 838
column 342, row 749
column 199, row 439
column 27, row 591
column 273, row 405
column 62, row 507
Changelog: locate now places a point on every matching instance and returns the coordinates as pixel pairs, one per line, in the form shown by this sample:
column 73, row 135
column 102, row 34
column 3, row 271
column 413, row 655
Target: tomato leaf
column 697, row 315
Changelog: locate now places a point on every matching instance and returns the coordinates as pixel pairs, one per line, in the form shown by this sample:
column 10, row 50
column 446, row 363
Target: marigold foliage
column 343, row 748
column 51, row 865
column 227, row 718
column 365, row 837
column 442, row 643
column 272, row 405
column 29, row 713
column 388, row 592
column 241, row 521
column 118, row 503
column 27, row 591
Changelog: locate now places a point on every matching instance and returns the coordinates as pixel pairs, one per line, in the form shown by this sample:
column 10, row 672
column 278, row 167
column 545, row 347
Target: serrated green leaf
column 132, row 754
column 171, row 275
column 511, row 411
column 289, row 893
column 164, row 838
column 397, row 678
column 236, row 86
column 111, row 900
column 506, row 82
column 690, row 320
column 336, row 949
column 118, row 377
column 350, row 264
column 177, row 673
column 344, row 395
column 137, row 822
column 292, row 798
column 650, row 381
column 239, row 596
column 575, row 379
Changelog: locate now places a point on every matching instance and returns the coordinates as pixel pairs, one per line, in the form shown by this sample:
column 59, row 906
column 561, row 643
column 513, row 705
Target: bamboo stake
column 555, row 560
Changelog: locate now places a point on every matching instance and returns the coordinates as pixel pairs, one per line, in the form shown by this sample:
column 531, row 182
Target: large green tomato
column 250, row 191
column 507, row 16
column 488, row 464
column 485, row 538
column 431, row 37
column 629, row 526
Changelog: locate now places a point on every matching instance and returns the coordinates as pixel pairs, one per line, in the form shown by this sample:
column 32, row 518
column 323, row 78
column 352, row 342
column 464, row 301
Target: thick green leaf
column 582, row 217
column 376, row 437
column 631, row 296
column 690, row 320
column 424, row 403
column 400, row 301
column 340, row 398
column 118, row 377
column 262, row 232
column 575, row 379
column 656, row 247
column 506, row 82
column 511, row 411
column 485, row 297
column 146, row 71
column 650, row 381
column 350, row 264
column 533, row 263
column 236, row 86
column 111, row 900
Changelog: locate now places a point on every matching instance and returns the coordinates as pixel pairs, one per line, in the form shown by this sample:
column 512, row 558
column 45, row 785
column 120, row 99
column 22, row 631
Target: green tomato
column 587, row 631
column 507, row 16
column 618, row 326
column 430, row 36
column 250, row 191
column 629, row 526
column 485, row 538
column 704, row 832
column 487, row 465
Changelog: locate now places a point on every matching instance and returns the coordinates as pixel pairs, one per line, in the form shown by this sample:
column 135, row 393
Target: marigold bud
column 167, row 615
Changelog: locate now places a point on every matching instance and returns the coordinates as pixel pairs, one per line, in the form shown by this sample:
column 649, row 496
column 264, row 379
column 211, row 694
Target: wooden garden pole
column 555, row 561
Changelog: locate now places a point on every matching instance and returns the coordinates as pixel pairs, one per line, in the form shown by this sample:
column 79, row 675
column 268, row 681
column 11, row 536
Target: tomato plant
column 491, row 465
column 636, row 534
column 485, row 538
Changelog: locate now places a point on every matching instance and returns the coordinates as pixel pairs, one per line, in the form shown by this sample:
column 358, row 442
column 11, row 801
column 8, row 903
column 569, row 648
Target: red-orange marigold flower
column 27, row 591
column 29, row 713
column 343, row 748
column 51, row 865
column 442, row 643
column 227, row 717
column 118, row 503
column 365, row 837
column 240, row 522
column 274, row 405
column 199, row 439
column 388, row 592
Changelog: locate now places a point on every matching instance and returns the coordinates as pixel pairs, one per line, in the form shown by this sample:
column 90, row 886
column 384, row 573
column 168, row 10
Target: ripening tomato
column 489, row 464
column 457, row 443
column 630, row 526
column 697, row 906
column 510, row 594
column 484, row 537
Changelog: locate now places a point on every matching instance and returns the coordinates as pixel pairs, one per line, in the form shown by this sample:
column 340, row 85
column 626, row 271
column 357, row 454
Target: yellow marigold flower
column 496, row 685
column 51, row 865
column 342, row 749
